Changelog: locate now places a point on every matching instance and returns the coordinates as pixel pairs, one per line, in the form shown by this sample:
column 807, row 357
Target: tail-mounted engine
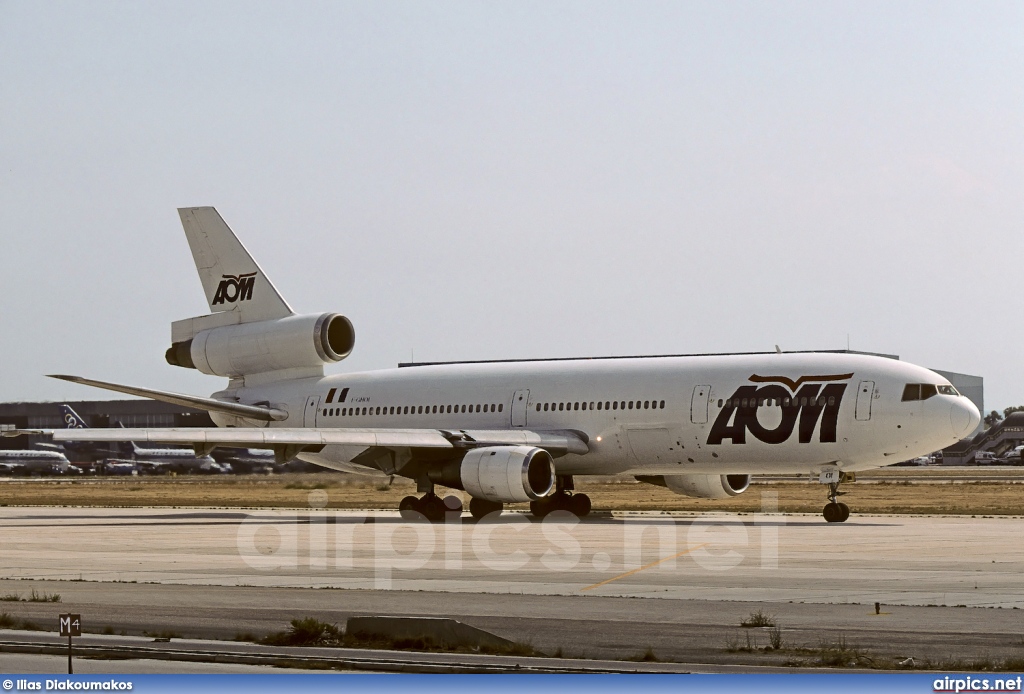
column 293, row 342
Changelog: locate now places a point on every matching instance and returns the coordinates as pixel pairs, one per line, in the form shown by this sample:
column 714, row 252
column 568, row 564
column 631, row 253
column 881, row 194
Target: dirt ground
column 961, row 491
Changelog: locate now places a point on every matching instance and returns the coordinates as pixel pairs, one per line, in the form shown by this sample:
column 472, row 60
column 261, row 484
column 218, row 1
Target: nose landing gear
column 835, row 511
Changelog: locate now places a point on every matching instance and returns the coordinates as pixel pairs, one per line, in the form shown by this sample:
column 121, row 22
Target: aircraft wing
column 263, row 437
column 557, row 443
column 205, row 438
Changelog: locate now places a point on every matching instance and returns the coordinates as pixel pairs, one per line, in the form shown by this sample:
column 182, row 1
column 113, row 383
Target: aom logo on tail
column 234, row 288
column 809, row 399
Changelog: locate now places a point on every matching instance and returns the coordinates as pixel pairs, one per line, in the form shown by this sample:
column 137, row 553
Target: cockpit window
column 923, row 391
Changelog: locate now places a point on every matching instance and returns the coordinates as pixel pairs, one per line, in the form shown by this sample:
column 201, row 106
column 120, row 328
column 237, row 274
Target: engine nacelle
column 507, row 473
column 272, row 345
column 708, row 486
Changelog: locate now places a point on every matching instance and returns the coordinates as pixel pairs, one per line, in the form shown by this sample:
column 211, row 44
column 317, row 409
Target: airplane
column 153, row 459
column 22, row 462
column 508, row 431
column 161, row 460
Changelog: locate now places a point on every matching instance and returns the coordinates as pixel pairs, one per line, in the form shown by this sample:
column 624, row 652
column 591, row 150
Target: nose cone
column 963, row 417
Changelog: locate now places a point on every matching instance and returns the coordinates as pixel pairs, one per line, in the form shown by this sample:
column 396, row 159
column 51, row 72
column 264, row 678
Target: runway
column 556, row 584
column 895, row 560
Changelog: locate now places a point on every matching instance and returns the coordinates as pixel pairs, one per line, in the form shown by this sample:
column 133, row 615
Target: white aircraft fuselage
column 715, row 414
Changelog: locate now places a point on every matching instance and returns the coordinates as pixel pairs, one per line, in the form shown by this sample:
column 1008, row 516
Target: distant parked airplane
column 154, row 459
column 33, row 462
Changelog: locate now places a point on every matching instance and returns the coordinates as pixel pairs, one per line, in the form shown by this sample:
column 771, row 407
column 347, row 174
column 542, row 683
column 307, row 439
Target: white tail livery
column 231, row 279
column 517, row 431
column 252, row 334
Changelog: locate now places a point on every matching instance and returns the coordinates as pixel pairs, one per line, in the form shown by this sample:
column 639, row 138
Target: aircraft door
column 865, row 393
column 699, row 404
column 520, row 401
column 312, row 407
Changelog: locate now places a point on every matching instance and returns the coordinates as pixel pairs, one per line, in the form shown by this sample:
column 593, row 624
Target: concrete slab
column 442, row 631
column 41, row 664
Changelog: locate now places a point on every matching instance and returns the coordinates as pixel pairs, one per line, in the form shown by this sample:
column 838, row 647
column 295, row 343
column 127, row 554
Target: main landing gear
column 430, row 506
column 562, row 500
column 836, row 511
column 478, row 508
column 436, row 509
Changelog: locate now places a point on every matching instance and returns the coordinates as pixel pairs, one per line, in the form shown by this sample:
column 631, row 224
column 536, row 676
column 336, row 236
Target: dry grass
column 888, row 491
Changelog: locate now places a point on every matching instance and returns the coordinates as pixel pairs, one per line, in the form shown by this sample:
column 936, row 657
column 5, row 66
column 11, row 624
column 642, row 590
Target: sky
column 492, row 180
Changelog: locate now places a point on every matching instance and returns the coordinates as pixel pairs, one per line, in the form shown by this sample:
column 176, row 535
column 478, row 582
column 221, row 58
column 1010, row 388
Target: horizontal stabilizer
column 263, row 414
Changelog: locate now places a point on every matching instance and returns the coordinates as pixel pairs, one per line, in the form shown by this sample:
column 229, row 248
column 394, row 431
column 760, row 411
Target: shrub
column 759, row 619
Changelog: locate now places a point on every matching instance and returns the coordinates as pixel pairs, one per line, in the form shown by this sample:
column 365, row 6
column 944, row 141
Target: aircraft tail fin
column 72, row 419
column 135, row 446
column 231, row 279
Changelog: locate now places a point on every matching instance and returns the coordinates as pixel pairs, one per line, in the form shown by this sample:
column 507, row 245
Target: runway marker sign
column 70, row 625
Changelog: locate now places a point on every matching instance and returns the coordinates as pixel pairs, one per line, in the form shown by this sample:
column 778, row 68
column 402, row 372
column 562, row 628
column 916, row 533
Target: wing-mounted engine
column 304, row 342
column 508, row 474
column 702, row 486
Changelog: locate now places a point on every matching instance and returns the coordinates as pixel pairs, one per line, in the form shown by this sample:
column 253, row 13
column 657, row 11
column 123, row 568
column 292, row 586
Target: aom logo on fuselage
column 234, row 288
column 808, row 399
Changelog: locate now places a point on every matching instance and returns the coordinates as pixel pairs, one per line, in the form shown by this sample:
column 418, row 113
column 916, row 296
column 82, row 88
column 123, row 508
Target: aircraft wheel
column 579, row 505
column 541, row 507
column 844, row 512
column 479, row 508
column 452, row 504
column 433, row 508
column 832, row 513
column 408, row 508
